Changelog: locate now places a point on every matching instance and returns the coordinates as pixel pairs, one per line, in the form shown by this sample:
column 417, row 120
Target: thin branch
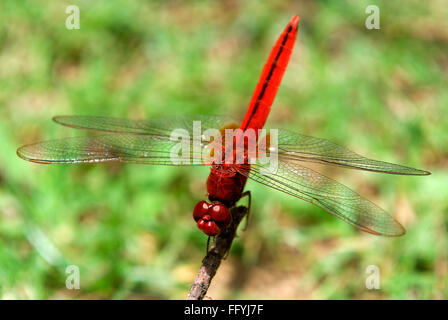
column 219, row 249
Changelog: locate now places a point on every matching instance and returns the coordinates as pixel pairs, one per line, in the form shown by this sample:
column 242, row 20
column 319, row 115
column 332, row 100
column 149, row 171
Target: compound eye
column 201, row 224
column 200, row 210
column 220, row 214
column 211, row 229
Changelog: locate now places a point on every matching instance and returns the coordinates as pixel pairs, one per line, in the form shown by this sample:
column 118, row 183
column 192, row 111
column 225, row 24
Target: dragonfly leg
column 249, row 195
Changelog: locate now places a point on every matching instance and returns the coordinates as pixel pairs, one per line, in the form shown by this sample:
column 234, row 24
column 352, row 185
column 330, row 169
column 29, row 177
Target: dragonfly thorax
column 225, row 184
column 224, row 170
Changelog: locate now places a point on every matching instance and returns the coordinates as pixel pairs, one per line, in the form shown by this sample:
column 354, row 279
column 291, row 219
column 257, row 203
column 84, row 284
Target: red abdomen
column 270, row 78
column 225, row 185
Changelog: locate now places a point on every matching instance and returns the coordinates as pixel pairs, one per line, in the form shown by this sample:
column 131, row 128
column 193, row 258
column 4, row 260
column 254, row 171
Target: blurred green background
column 129, row 228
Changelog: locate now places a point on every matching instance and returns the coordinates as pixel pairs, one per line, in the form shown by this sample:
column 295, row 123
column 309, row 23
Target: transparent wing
column 333, row 197
column 134, row 148
column 157, row 126
column 138, row 141
column 297, row 147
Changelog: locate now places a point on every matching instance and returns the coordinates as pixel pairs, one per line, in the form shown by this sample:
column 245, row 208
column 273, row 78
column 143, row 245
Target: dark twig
column 219, row 249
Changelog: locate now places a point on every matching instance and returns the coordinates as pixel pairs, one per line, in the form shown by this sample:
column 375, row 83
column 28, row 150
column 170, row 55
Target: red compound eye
column 220, row 214
column 200, row 210
column 211, row 218
column 201, row 224
column 211, row 229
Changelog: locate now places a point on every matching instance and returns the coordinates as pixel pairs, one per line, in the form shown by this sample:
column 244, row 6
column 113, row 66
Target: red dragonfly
column 150, row 142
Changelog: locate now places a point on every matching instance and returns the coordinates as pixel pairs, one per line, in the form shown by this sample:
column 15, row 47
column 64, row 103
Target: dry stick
column 218, row 250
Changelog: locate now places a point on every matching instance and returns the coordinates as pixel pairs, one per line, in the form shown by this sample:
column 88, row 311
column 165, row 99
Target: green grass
column 129, row 228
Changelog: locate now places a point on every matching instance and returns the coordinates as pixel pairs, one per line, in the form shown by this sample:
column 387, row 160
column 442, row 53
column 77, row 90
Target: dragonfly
column 151, row 142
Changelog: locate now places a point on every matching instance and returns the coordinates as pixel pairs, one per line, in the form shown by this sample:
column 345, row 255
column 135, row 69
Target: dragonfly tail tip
column 295, row 21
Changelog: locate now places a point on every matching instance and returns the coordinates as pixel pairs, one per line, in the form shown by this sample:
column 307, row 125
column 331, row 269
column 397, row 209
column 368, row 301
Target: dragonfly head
column 212, row 217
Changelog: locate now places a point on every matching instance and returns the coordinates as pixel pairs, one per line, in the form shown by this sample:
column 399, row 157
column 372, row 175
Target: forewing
column 296, row 147
column 335, row 198
column 156, row 126
column 134, row 148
